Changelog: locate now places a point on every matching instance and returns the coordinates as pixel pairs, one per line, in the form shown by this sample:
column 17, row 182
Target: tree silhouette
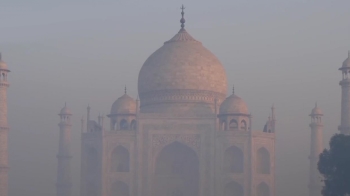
column 334, row 165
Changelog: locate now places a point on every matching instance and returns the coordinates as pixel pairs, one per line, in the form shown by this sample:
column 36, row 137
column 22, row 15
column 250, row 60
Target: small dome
column 65, row 111
column 268, row 126
column 316, row 111
column 346, row 63
column 124, row 105
column 233, row 105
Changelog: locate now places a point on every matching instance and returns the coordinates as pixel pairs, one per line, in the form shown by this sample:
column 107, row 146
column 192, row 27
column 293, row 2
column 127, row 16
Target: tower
column 344, row 127
column 4, row 128
column 64, row 184
column 315, row 184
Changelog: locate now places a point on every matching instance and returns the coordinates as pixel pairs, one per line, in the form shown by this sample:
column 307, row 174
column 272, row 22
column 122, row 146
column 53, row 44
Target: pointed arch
column 177, row 171
column 243, row 125
column 120, row 160
column 233, row 125
column 133, row 125
column 263, row 161
column 233, row 189
column 120, row 188
column 233, row 160
column 124, row 124
column 263, row 189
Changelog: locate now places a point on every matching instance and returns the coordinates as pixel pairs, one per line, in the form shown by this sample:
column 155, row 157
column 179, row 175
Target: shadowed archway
column 120, row 160
column 233, row 160
column 177, row 171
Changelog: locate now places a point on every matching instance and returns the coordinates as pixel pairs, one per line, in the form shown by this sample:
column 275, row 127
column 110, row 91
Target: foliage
column 334, row 165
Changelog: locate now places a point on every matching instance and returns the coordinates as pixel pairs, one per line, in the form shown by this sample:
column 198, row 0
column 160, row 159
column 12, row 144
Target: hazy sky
column 285, row 52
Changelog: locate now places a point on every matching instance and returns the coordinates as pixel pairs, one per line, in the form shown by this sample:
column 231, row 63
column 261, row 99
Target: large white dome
column 181, row 74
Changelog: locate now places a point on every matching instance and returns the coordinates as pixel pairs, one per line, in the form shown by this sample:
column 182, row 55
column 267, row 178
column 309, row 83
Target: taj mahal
column 184, row 135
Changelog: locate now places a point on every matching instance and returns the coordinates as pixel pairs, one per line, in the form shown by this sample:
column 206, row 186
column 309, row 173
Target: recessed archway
column 177, row 171
column 133, row 125
column 120, row 160
column 233, row 125
column 243, row 125
column 233, row 160
column 124, row 124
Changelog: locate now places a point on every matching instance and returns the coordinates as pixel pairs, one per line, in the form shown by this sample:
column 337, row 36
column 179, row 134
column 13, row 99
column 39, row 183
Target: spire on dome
column 182, row 21
column 125, row 90
column 0, row 56
column 233, row 89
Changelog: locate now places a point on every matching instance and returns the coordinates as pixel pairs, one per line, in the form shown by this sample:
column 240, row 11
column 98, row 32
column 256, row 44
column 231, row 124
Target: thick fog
column 285, row 53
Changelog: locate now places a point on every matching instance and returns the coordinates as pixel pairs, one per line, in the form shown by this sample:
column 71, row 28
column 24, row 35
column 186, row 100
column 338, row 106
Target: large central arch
column 177, row 171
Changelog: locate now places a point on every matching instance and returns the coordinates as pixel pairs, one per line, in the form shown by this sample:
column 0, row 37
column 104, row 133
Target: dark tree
column 334, row 165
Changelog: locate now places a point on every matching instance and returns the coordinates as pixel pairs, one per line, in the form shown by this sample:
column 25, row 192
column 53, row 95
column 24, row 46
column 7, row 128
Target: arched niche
column 244, row 125
column 120, row 160
column 263, row 189
column 233, row 125
column 233, row 189
column 133, row 125
column 177, row 171
column 233, row 160
column 263, row 161
column 124, row 124
column 120, row 188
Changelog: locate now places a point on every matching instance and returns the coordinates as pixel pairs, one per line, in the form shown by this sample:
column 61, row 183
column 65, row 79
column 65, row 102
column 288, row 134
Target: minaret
column 273, row 118
column 64, row 183
column 316, row 148
column 4, row 128
column 344, row 127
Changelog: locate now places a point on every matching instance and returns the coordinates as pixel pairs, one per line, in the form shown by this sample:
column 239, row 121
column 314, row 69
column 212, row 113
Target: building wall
column 158, row 134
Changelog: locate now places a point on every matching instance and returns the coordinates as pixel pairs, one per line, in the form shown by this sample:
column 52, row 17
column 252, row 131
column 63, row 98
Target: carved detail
column 180, row 95
column 161, row 140
column 173, row 126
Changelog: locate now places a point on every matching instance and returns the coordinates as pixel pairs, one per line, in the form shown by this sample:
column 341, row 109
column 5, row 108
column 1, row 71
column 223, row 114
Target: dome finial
column 0, row 56
column 182, row 21
column 125, row 90
column 348, row 54
column 233, row 89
